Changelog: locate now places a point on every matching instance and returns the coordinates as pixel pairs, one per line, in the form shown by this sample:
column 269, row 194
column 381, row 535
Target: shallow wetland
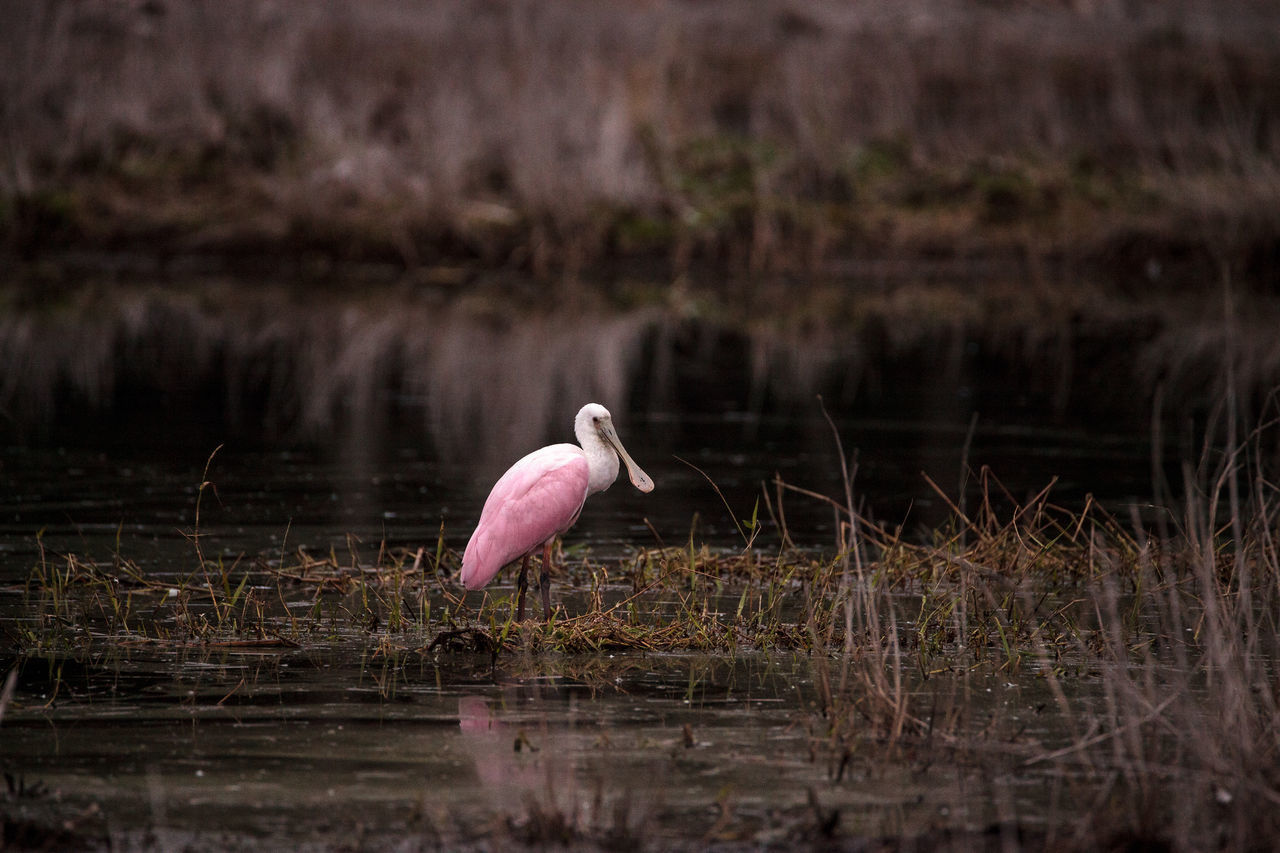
column 1024, row 675
column 947, row 331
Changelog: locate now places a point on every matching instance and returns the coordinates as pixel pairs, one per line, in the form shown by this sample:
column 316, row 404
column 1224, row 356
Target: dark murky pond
column 344, row 740
column 100, row 497
column 319, row 746
column 351, row 741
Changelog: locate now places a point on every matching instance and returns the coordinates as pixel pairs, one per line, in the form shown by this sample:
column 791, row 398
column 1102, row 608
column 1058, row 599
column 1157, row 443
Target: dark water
column 388, row 415
column 139, row 499
column 355, row 740
column 227, row 748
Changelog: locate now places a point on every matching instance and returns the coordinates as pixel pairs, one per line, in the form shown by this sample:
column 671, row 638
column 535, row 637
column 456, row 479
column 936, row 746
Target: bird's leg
column 522, row 583
column 544, row 581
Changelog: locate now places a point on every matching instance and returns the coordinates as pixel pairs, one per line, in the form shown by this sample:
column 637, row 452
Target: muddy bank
column 1137, row 139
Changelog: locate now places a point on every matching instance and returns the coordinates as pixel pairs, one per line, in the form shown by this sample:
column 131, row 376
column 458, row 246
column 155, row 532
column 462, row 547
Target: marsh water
column 139, row 497
column 338, row 747
column 348, row 739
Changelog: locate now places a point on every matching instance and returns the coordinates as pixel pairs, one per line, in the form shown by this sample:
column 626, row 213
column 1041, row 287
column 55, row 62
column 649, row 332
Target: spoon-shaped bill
column 638, row 477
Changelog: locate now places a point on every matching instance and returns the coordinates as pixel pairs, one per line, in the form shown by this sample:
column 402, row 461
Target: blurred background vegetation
column 772, row 136
column 1087, row 183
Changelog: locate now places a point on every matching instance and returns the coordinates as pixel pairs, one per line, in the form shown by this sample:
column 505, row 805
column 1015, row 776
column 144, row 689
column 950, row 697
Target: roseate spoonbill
column 540, row 497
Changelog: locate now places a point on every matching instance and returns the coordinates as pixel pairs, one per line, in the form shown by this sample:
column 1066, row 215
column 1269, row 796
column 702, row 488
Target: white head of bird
column 594, row 430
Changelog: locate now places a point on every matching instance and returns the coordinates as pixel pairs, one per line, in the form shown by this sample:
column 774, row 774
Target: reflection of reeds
column 272, row 365
column 285, row 361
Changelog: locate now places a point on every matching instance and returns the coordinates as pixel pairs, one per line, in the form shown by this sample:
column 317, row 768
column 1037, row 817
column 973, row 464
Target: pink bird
column 540, row 497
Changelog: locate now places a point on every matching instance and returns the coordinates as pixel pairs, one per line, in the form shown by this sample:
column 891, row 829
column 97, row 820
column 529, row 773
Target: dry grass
column 548, row 136
column 1180, row 629
column 818, row 188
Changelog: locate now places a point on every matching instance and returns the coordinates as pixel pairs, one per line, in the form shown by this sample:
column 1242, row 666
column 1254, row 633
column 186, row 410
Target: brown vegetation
column 551, row 137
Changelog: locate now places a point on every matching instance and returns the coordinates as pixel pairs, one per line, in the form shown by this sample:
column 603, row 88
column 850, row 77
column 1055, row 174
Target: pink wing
column 539, row 496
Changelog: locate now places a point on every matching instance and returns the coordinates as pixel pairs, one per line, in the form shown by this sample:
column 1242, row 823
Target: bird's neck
column 602, row 462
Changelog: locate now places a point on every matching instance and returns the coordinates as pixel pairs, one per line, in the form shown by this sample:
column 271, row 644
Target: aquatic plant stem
column 754, row 526
column 851, row 544
column 195, row 535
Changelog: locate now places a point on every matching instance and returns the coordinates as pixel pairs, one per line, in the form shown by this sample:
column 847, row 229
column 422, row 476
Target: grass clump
column 994, row 585
column 1178, row 628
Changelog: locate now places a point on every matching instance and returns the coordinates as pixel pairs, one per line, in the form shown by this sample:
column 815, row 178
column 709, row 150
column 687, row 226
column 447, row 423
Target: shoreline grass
column 445, row 140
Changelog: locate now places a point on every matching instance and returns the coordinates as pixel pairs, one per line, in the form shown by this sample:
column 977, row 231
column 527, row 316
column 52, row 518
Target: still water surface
column 100, row 497
column 349, row 741
column 220, row 748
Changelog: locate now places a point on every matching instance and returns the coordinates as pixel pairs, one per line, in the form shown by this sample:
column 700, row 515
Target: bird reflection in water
column 530, row 774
